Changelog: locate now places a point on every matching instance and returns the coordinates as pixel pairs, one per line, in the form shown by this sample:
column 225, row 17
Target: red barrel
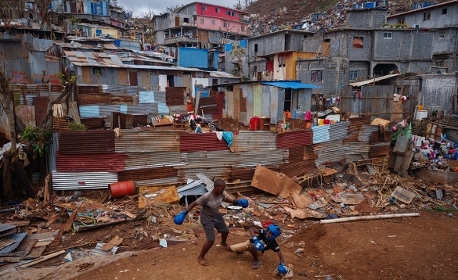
column 121, row 189
column 254, row 123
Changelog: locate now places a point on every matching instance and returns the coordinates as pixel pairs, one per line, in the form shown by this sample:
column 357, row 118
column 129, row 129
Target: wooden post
column 284, row 123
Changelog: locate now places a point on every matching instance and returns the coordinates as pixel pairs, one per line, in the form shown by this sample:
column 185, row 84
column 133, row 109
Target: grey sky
column 141, row 7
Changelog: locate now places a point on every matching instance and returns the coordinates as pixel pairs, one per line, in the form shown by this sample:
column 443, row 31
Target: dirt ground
column 422, row 247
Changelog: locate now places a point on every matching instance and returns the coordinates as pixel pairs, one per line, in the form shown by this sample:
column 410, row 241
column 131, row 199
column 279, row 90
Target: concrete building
column 199, row 25
column 358, row 53
column 443, row 19
column 273, row 56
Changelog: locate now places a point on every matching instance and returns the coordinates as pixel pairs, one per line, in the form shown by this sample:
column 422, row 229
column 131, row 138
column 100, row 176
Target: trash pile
column 93, row 223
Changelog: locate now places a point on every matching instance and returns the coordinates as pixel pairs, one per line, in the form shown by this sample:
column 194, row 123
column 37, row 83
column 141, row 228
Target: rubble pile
column 34, row 232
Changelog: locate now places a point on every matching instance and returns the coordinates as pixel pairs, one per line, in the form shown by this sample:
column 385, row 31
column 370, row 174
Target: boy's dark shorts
column 209, row 224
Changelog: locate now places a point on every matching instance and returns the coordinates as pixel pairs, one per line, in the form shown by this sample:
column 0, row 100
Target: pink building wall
column 212, row 23
column 211, row 10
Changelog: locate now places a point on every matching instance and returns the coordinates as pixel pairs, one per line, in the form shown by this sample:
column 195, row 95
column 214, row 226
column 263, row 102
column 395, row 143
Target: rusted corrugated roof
column 294, row 139
column 89, row 142
column 140, row 141
column 90, row 162
column 194, row 142
column 254, row 140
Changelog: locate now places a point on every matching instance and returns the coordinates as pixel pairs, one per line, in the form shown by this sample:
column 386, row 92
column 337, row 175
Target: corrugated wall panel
column 377, row 137
column 242, row 173
column 158, row 182
column 331, row 151
column 321, row 134
column 154, row 159
column 53, row 152
column 89, row 142
column 338, row 130
column 357, row 151
column 365, row 132
column 212, row 173
column 245, row 159
column 298, row 168
column 82, row 180
column 139, row 141
column 379, row 150
column 90, row 162
column 194, row 142
column 148, row 174
column 294, row 139
column 254, row 140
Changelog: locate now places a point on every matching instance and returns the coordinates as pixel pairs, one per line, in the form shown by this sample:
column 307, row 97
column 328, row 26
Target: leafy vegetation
column 39, row 140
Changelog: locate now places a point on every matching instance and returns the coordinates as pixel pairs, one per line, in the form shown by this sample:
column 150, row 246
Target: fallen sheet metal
column 16, row 240
column 275, row 183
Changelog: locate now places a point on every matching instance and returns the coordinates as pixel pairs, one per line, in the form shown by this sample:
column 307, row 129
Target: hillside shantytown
column 106, row 119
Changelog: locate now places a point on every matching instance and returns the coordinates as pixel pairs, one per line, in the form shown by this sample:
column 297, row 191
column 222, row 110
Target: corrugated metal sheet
column 296, row 154
column 89, row 142
column 298, row 168
column 90, row 162
column 121, row 89
column 53, row 152
column 158, row 182
column 294, row 139
column 242, row 173
column 5, row 227
column 379, row 150
column 155, row 159
column 159, row 96
column 146, row 97
column 146, row 108
column 82, row 180
column 254, row 140
column 357, row 151
column 365, row 132
column 148, row 174
column 338, row 130
column 15, row 241
column 41, row 108
column 140, row 141
column 226, row 158
column 214, row 173
column 356, row 123
column 320, row 134
column 331, row 151
column 378, row 136
column 194, row 142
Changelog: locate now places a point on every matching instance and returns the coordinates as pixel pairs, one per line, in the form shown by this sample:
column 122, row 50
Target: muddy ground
column 422, row 247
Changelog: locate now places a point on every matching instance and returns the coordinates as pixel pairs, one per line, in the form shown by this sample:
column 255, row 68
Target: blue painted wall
column 189, row 57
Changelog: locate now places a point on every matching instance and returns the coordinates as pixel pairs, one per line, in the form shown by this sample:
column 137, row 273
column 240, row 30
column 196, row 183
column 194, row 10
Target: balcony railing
column 181, row 39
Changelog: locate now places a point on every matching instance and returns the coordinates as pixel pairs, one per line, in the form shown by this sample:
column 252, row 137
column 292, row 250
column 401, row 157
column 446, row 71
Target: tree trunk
column 7, row 102
column 47, row 120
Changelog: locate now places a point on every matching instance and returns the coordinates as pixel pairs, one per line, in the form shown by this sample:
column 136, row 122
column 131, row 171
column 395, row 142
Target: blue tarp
column 290, row 84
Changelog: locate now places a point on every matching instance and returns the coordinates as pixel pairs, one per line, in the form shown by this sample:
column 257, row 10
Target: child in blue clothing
column 262, row 240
